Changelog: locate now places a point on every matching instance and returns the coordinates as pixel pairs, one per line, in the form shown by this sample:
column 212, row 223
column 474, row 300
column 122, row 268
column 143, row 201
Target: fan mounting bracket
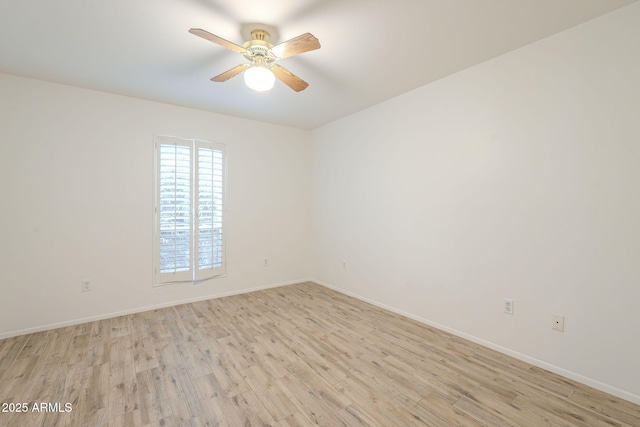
column 248, row 28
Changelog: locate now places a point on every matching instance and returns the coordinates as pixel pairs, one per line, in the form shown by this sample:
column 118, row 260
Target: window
column 189, row 235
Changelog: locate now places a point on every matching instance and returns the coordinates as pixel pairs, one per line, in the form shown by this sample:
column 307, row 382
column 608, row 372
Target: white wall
column 76, row 203
column 516, row 178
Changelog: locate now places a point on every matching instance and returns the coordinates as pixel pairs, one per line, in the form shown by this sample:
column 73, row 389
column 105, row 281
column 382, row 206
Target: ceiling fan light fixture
column 259, row 78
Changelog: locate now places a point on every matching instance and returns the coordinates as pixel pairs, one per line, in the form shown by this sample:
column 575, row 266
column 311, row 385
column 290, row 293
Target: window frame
column 194, row 273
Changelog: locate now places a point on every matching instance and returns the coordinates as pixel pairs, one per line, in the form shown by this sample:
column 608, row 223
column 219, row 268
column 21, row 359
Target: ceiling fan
column 261, row 71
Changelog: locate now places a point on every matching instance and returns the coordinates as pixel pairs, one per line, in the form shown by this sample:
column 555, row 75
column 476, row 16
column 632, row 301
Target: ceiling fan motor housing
column 259, row 34
column 258, row 49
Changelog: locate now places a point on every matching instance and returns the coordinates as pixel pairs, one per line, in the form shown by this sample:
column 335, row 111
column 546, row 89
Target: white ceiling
column 372, row 50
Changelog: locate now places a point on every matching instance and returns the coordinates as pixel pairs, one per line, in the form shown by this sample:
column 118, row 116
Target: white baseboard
column 631, row 397
column 143, row 309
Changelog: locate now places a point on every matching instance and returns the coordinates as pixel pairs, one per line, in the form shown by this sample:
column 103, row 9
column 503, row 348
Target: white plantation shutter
column 174, row 210
column 210, row 195
column 189, row 210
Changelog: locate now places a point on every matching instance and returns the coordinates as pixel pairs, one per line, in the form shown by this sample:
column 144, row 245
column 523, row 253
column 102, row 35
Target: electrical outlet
column 344, row 265
column 508, row 306
column 557, row 322
column 86, row 285
column 266, row 262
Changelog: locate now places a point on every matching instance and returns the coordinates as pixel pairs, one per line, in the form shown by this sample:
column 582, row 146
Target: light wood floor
column 298, row 355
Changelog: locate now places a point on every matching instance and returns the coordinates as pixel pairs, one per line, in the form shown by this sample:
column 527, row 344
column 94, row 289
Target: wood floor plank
column 272, row 397
column 140, row 327
column 123, row 396
column 255, row 412
column 180, row 395
column 568, row 412
column 309, row 404
column 294, row 420
column 605, row 404
column 442, row 407
column 120, row 326
column 412, row 414
column 153, row 398
column 220, row 411
column 19, row 380
column 144, row 353
column 268, row 362
column 228, row 376
column 299, row 355
column 480, row 413
column 98, row 348
column 77, row 349
column 10, row 349
column 36, row 344
column 361, row 397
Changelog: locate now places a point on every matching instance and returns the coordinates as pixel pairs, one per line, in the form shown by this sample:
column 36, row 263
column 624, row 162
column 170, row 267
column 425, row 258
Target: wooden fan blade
column 230, row 73
column 297, row 45
column 217, row 40
column 288, row 78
